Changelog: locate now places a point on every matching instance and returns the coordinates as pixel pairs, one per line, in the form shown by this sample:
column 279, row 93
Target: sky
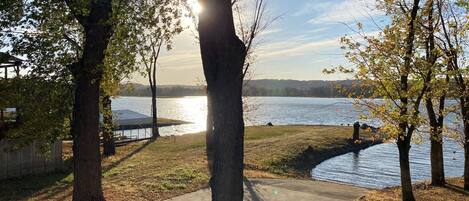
column 303, row 41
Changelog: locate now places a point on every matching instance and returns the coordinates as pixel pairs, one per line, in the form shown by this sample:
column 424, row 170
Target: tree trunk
column 223, row 56
column 436, row 142
column 87, row 74
column 406, row 181
column 86, row 154
column 466, row 152
column 154, row 127
column 109, row 146
column 466, row 165
column 227, row 177
column 405, row 135
column 436, row 124
column 464, row 105
column 453, row 65
column 209, row 135
column 436, row 155
column 465, row 116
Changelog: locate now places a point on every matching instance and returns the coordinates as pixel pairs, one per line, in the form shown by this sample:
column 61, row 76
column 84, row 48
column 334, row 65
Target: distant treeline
column 326, row 92
column 163, row 91
column 293, row 88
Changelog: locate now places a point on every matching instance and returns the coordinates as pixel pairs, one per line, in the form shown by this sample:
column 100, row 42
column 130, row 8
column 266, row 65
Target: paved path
column 286, row 190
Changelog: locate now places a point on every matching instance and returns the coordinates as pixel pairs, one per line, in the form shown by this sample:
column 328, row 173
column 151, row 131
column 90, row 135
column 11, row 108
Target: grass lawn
column 453, row 191
column 173, row 166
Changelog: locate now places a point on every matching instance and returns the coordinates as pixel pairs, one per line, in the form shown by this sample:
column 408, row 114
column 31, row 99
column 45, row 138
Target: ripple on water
column 378, row 166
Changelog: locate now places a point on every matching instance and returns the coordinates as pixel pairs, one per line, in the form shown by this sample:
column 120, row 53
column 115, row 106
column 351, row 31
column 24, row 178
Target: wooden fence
column 28, row 160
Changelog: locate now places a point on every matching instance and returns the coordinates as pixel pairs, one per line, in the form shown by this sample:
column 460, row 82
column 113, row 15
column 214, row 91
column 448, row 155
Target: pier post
column 356, row 131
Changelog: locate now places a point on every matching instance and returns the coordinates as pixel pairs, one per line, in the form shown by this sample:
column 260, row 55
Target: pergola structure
column 131, row 126
column 8, row 61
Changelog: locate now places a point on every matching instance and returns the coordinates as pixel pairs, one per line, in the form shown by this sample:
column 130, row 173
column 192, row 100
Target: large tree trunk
column 154, row 127
column 227, row 177
column 109, row 145
column 85, row 125
column 209, row 135
column 223, row 56
column 406, row 181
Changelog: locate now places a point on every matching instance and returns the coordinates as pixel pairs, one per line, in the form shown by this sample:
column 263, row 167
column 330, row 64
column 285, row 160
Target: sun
column 196, row 7
column 191, row 12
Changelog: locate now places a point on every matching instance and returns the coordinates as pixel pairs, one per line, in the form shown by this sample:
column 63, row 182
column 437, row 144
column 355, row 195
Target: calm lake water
column 375, row 167
column 378, row 166
column 278, row 110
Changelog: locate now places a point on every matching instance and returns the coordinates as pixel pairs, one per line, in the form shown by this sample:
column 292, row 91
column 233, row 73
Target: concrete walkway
column 286, row 190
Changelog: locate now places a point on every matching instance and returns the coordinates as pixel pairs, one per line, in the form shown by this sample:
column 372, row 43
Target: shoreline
column 310, row 157
column 179, row 165
column 161, row 122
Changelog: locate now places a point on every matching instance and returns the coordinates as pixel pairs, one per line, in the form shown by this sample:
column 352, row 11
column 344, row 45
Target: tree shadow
column 456, row 189
column 52, row 194
column 54, row 184
column 251, row 190
column 117, row 163
column 24, row 187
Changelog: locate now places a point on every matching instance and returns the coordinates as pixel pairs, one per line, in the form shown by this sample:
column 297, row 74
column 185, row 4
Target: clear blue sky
column 299, row 45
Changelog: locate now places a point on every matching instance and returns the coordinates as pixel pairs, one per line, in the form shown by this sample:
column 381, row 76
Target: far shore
column 244, row 96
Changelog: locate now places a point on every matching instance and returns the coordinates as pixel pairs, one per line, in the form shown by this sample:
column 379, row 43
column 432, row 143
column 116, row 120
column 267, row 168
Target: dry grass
column 173, row 166
column 293, row 150
column 453, row 191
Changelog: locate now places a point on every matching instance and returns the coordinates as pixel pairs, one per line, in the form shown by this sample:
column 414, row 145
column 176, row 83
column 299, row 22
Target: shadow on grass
column 24, row 187
column 53, row 184
column 117, row 163
column 456, row 189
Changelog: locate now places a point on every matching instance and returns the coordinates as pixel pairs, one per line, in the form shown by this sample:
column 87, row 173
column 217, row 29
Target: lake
column 278, row 110
column 375, row 167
